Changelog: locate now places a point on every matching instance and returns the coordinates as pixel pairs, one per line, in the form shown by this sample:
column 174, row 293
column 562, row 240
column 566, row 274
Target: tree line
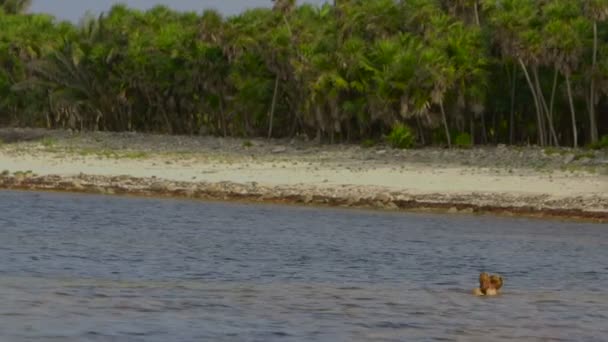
column 479, row 71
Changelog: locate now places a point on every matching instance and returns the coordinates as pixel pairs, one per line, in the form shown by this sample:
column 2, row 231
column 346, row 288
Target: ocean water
column 103, row 268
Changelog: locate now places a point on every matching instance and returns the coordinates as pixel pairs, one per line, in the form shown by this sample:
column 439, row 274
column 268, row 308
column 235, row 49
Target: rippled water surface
column 93, row 268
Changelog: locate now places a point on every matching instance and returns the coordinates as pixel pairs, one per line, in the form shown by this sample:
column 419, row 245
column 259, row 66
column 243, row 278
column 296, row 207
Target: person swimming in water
column 488, row 285
column 496, row 282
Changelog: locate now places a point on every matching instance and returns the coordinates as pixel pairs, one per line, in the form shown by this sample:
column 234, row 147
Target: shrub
column 584, row 155
column 367, row 143
column 401, row 136
column 463, row 140
column 438, row 137
column 48, row 142
column 600, row 144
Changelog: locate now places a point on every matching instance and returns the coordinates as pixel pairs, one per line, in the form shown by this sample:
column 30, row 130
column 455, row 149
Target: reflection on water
column 91, row 268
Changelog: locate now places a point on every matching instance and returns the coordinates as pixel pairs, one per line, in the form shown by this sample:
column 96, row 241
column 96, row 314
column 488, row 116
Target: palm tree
column 463, row 9
column 443, row 78
column 72, row 89
column 15, row 6
column 519, row 36
column 23, row 40
column 597, row 11
column 314, row 57
column 563, row 29
column 284, row 6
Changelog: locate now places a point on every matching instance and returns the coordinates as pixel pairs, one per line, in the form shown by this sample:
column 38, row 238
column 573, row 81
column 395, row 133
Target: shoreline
column 377, row 199
column 476, row 181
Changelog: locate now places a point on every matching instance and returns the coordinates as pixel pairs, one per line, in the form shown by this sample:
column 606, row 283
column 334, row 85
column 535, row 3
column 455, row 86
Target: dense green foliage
column 463, row 140
column 401, row 136
column 600, row 144
column 501, row 71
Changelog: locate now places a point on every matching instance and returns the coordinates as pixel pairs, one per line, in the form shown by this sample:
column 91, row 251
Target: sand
column 379, row 177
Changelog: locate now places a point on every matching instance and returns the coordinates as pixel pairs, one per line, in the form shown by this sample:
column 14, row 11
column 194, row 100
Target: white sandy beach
column 323, row 170
column 417, row 179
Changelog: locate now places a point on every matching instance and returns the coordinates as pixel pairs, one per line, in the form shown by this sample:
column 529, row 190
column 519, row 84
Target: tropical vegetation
column 443, row 72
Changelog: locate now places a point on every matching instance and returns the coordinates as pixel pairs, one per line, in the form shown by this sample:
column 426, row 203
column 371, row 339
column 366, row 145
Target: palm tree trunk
column 539, row 119
column 472, row 128
column 420, row 130
column 512, row 115
column 288, row 26
column 592, row 120
column 50, row 111
column 574, row 132
column 294, row 126
column 495, row 135
column 162, row 108
column 544, row 106
column 98, row 118
column 445, row 124
column 552, row 101
column 484, row 129
column 476, row 9
column 223, row 116
column 273, row 106
column 573, row 114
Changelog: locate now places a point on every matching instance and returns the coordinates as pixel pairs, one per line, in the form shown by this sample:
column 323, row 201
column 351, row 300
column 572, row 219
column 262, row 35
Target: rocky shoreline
column 523, row 181
column 301, row 149
column 576, row 208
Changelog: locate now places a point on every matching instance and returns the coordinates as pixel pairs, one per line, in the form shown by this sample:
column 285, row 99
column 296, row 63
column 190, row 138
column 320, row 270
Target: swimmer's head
column 484, row 281
column 496, row 281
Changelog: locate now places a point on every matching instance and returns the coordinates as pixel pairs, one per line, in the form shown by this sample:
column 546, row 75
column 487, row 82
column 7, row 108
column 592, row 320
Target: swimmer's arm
column 491, row 292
